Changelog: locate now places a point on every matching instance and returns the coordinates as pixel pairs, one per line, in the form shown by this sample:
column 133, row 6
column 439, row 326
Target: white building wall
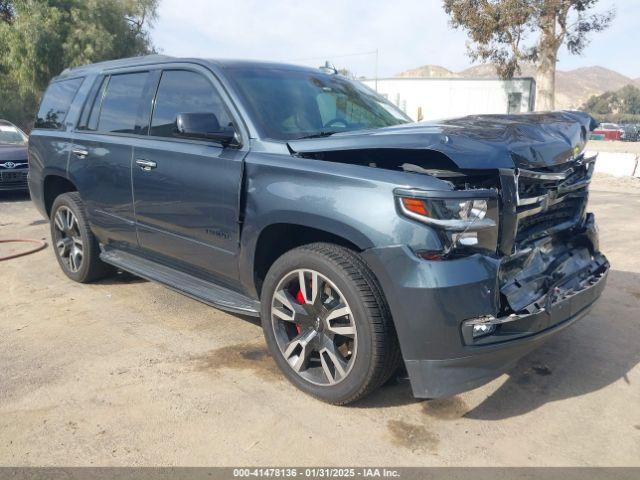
column 440, row 98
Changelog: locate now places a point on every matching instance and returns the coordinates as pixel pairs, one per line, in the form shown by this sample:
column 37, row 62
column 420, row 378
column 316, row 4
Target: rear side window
column 181, row 91
column 91, row 110
column 120, row 103
column 95, row 110
column 55, row 103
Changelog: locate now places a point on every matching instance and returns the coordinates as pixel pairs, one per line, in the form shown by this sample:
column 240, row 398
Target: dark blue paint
column 187, row 207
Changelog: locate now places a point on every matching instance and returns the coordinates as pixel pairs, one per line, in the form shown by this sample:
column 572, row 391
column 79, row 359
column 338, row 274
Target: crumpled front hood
column 12, row 153
column 473, row 142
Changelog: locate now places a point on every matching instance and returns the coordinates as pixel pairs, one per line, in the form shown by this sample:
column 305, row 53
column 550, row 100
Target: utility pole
column 376, row 74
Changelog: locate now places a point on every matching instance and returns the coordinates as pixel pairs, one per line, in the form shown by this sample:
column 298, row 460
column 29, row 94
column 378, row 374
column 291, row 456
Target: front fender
column 353, row 202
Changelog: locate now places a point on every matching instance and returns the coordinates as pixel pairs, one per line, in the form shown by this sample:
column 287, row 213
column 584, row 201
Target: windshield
column 288, row 104
column 10, row 135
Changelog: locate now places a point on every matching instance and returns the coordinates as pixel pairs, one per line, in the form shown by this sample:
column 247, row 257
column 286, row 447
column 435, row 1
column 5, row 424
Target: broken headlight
column 466, row 221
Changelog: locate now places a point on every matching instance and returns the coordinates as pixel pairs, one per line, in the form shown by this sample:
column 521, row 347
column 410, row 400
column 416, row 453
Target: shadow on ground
column 120, row 278
column 395, row 393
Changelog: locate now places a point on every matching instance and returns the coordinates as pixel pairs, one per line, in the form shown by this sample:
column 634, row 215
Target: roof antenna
column 328, row 68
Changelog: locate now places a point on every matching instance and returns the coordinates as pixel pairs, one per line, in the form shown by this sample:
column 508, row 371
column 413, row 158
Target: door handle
column 146, row 165
column 80, row 152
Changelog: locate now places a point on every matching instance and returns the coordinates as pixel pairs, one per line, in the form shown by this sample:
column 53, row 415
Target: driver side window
column 183, row 91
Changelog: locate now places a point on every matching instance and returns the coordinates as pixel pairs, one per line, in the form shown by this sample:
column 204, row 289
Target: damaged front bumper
column 564, row 304
column 522, row 299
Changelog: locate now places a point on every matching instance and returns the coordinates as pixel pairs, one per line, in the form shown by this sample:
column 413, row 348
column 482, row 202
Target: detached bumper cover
column 433, row 302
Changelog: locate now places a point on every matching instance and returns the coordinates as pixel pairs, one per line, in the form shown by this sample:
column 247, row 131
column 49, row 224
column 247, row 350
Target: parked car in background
column 362, row 240
column 631, row 132
column 13, row 157
column 609, row 131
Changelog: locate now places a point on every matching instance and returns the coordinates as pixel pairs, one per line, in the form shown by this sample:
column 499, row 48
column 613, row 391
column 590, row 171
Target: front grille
column 557, row 217
column 550, row 200
column 15, row 179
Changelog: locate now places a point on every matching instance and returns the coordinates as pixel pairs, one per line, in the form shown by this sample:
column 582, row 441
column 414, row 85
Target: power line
column 324, row 57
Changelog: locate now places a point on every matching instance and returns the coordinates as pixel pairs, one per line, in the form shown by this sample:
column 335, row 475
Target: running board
column 181, row 282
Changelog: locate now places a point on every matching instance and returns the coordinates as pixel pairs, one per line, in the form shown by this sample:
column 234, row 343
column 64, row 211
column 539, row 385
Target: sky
column 405, row 33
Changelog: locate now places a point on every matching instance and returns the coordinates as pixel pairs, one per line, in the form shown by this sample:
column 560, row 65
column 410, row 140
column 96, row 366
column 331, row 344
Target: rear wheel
column 327, row 324
column 76, row 248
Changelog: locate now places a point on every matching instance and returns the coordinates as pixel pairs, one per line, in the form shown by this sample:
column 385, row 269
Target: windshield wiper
column 328, row 133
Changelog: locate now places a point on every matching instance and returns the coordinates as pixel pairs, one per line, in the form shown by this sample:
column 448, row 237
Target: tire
column 359, row 361
column 68, row 240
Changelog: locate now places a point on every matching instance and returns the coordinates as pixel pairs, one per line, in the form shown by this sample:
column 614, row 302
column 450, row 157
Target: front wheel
column 327, row 324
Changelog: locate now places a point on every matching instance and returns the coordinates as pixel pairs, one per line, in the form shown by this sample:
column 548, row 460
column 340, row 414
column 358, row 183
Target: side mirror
column 205, row 126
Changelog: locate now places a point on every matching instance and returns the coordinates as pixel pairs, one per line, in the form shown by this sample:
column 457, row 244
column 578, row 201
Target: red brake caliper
column 300, row 300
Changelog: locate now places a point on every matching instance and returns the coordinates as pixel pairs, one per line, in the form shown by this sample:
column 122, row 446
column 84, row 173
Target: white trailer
column 426, row 98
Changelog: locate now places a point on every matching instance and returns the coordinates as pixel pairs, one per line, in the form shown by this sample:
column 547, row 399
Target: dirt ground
column 126, row 372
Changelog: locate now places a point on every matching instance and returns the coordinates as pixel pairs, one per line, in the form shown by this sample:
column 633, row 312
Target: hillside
column 487, row 70
column 573, row 87
column 431, row 71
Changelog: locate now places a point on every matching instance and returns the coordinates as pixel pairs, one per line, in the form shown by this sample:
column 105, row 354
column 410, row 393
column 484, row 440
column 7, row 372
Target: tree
column 6, row 11
column 40, row 38
column 604, row 104
column 512, row 32
column 621, row 106
column 630, row 99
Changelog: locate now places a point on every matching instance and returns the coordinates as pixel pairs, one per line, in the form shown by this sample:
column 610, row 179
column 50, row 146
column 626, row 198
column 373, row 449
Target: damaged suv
column 363, row 241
